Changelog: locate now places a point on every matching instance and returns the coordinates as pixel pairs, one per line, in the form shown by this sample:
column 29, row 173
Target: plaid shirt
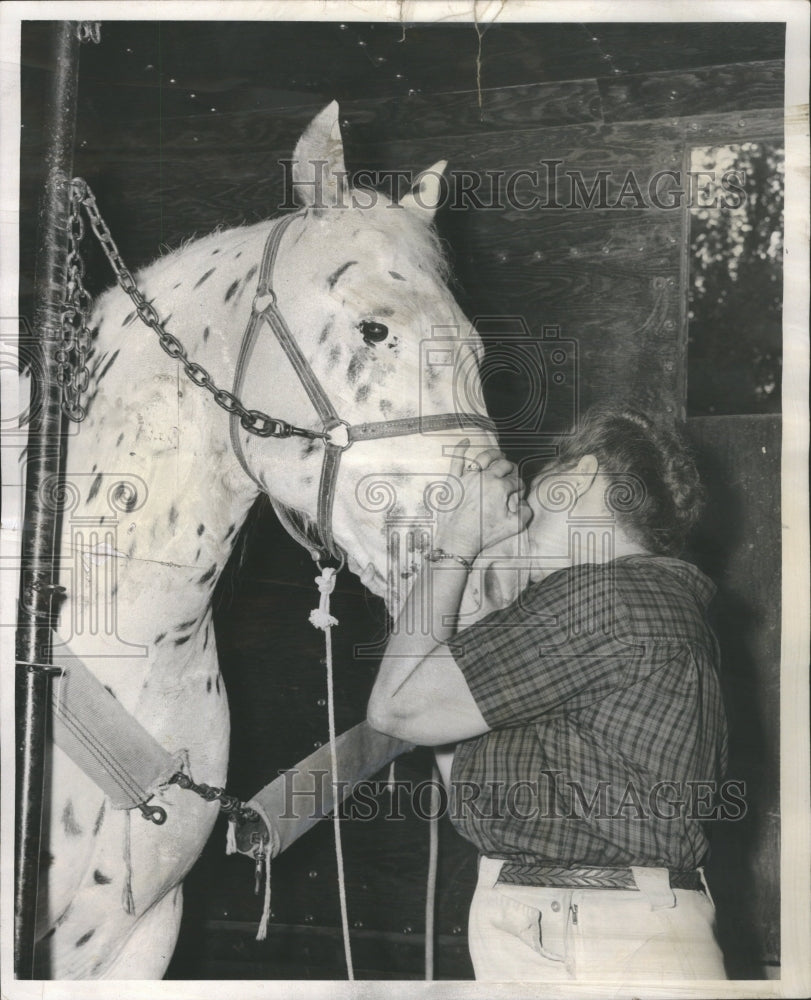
column 601, row 688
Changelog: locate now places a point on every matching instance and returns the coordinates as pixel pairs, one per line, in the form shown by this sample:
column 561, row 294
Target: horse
column 161, row 483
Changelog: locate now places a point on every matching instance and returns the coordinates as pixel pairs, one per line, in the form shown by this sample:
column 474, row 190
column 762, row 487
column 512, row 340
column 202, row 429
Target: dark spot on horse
column 160, row 638
column 128, row 319
column 325, row 333
column 100, row 878
column 177, row 285
column 200, row 529
column 110, row 690
column 215, row 251
column 94, row 489
column 229, row 532
column 205, row 277
column 385, row 406
column 306, row 480
column 231, row 290
column 120, row 439
column 197, row 555
column 308, row 448
column 109, row 364
column 206, row 333
column 384, row 311
column 363, row 393
column 397, row 276
column 71, row 827
column 187, row 624
column 208, row 685
column 251, row 273
column 172, row 516
column 182, row 639
column 333, row 278
column 356, row 366
column 335, row 354
column 94, row 467
column 208, row 574
column 48, row 934
column 205, row 637
column 237, row 255
column 46, row 859
column 217, row 681
column 99, row 819
column 85, row 938
column 63, row 916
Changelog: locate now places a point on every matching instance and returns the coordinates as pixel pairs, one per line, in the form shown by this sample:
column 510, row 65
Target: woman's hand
column 491, row 507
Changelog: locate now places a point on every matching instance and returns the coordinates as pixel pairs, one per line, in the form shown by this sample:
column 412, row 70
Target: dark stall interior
column 180, row 130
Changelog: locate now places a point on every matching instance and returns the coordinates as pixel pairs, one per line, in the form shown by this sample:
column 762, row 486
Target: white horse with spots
column 361, row 289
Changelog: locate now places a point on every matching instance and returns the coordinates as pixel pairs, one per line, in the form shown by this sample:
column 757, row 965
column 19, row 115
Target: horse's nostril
column 373, row 333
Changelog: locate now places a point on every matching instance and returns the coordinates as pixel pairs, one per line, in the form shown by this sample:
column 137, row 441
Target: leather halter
column 337, row 434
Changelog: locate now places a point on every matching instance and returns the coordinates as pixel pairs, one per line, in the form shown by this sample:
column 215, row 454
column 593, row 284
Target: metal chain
column 229, row 804
column 89, row 31
column 71, row 358
column 254, row 421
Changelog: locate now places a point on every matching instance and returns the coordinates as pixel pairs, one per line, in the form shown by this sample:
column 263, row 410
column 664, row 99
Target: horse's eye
column 373, row 333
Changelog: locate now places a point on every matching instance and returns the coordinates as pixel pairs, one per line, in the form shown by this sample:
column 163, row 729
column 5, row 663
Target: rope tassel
column 320, row 616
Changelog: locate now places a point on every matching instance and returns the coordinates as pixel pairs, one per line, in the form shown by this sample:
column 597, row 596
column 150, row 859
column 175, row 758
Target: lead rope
column 321, row 618
column 430, row 889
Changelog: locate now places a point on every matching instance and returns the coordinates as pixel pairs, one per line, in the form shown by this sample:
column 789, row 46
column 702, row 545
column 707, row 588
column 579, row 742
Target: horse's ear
column 319, row 175
column 426, row 194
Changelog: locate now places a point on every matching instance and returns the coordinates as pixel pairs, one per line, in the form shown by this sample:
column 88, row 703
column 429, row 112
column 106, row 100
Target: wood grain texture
column 711, row 89
column 738, row 545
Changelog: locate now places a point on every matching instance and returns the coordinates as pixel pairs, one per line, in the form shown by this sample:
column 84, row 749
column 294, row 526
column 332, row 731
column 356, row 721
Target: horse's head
column 360, row 282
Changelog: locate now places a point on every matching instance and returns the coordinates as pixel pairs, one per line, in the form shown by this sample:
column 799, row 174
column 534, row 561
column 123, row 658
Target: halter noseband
column 337, row 434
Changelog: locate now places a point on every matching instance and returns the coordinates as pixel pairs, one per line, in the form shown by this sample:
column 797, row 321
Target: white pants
column 654, row 934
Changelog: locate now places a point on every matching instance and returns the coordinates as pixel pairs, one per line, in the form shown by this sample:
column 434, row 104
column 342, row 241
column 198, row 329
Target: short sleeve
column 563, row 644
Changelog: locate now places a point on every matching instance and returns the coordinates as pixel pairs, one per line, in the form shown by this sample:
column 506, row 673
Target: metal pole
column 40, row 534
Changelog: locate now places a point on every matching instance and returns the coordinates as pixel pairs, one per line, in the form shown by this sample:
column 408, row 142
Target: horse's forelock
column 415, row 236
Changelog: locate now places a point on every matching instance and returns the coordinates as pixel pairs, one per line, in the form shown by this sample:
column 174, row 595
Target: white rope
column 262, row 931
column 127, row 899
column 322, row 619
column 430, row 888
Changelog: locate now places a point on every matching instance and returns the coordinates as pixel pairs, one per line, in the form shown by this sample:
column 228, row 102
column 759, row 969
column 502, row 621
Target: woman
column 587, row 713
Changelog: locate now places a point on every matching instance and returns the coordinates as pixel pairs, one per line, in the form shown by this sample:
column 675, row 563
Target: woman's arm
column 420, row 693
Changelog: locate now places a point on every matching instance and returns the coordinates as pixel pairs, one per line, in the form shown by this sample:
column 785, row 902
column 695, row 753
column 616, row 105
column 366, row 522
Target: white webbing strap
column 104, row 739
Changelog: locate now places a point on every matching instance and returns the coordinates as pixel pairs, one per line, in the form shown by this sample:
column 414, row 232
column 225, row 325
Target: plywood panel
column 739, row 545
column 710, row 89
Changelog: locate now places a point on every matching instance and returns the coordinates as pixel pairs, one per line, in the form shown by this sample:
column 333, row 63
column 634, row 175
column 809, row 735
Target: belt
column 553, row 877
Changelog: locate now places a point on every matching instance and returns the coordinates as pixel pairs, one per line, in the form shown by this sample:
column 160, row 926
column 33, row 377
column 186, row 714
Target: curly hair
column 627, row 442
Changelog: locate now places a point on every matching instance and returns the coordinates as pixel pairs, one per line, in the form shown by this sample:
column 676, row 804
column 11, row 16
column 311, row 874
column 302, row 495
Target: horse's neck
column 159, row 489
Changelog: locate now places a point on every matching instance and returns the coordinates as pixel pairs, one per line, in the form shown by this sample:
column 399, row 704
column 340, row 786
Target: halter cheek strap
column 337, row 434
